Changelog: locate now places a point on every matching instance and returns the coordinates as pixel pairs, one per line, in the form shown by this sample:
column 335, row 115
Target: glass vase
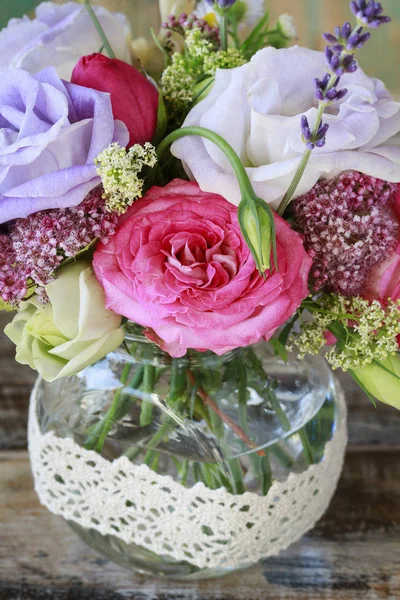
column 236, row 423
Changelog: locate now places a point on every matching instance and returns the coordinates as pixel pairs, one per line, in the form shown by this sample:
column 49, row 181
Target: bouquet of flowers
column 165, row 204
column 220, row 200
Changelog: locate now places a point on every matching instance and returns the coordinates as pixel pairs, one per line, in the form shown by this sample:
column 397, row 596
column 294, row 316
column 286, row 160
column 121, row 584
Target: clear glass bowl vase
column 239, row 422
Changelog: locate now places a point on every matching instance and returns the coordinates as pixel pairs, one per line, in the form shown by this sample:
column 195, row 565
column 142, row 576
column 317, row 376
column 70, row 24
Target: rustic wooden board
column 353, row 553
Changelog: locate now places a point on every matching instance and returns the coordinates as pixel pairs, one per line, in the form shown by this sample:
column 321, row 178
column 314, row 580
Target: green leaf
column 279, row 349
column 259, row 30
column 284, row 334
column 362, row 386
column 162, row 120
column 167, row 58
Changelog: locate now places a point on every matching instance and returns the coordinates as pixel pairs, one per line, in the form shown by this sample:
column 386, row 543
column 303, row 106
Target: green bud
column 239, row 11
column 258, row 228
column 381, row 379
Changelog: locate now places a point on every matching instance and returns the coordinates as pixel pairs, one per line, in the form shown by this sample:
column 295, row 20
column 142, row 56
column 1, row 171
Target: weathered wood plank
column 15, row 384
column 354, row 552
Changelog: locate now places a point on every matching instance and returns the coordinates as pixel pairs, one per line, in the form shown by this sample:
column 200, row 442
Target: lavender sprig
column 310, row 139
column 340, row 60
column 368, row 13
column 221, row 3
column 222, row 7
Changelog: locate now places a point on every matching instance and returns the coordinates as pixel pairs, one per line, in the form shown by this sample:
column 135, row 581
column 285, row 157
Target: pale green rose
column 382, row 382
column 70, row 332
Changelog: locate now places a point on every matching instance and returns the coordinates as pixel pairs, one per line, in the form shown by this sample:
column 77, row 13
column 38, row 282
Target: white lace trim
column 208, row 528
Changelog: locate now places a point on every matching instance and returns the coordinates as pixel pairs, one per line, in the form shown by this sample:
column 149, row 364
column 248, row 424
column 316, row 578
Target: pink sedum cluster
column 34, row 247
column 179, row 266
column 349, row 226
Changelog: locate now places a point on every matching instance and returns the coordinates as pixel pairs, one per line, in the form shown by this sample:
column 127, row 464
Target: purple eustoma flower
column 58, row 37
column 50, row 133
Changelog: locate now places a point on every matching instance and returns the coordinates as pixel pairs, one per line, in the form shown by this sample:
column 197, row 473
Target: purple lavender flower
column 221, row 3
column 51, row 132
column 331, row 94
column 346, row 38
column 340, row 58
column 339, row 65
column 369, row 13
column 311, row 140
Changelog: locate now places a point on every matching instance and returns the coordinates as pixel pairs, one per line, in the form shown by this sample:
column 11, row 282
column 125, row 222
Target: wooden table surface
column 354, row 552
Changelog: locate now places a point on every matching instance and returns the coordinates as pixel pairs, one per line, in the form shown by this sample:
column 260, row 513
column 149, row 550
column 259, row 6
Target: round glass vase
column 230, row 426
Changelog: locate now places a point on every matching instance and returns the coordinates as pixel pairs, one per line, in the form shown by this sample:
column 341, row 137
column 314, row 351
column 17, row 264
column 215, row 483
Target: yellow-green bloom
column 69, row 333
column 120, row 173
column 381, row 379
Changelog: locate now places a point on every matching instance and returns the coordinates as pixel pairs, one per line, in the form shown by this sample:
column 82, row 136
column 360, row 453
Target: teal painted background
column 381, row 57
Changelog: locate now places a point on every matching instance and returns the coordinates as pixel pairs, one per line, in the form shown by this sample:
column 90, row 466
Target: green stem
column 99, row 28
column 260, row 464
column 146, row 413
column 112, row 412
column 240, row 172
column 184, row 471
column 302, row 166
column 295, row 182
column 307, row 451
column 163, row 431
column 282, row 456
column 234, row 466
column 223, row 31
column 280, row 413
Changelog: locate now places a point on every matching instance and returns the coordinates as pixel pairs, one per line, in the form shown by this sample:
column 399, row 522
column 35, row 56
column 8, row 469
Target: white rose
column 59, row 36
column 257, row 108
column 69, row 333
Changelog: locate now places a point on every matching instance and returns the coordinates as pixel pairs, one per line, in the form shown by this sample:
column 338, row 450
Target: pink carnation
column 179, row 266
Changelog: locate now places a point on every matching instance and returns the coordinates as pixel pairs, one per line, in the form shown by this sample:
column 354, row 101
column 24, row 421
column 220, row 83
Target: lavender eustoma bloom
column 50, row 133
column 59, row 35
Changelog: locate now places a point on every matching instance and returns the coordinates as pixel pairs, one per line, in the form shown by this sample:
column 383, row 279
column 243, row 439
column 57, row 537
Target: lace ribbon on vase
column 207, row 528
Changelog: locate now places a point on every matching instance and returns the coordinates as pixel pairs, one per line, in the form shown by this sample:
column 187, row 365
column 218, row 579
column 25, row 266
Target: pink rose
column 179, row 266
